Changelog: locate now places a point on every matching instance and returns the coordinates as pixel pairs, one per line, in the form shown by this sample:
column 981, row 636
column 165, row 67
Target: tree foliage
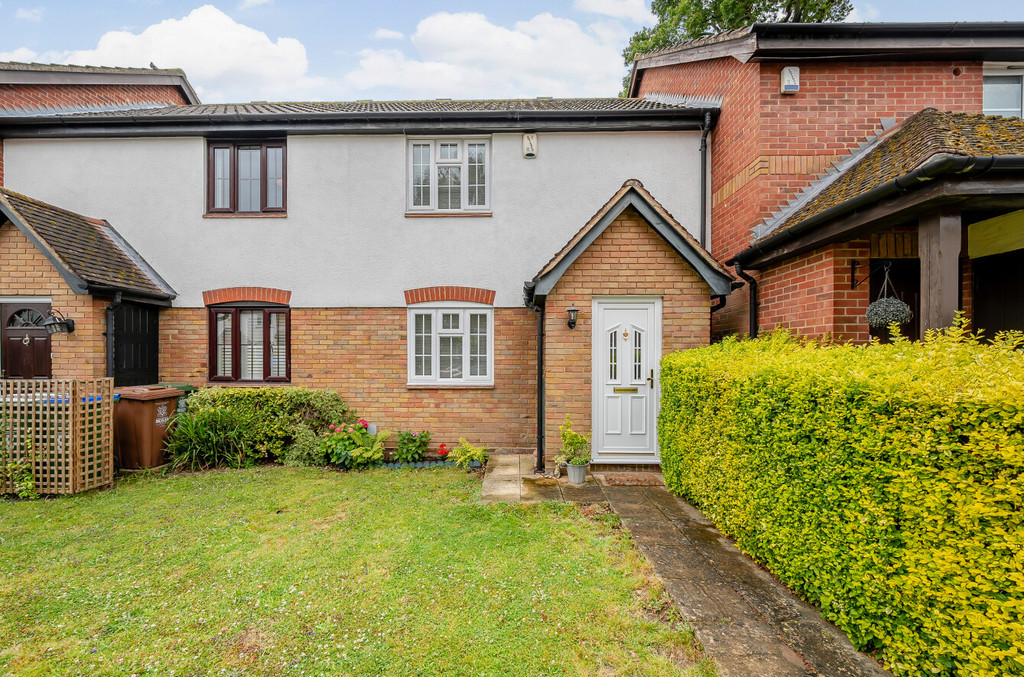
column 682, row 20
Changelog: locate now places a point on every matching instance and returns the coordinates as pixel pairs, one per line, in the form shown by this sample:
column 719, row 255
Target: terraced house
column 483, row 268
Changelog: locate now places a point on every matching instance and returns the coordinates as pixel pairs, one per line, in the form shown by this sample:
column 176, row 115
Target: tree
column 682, row 20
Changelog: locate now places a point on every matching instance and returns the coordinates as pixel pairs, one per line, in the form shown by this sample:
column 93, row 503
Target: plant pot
column 577, row 473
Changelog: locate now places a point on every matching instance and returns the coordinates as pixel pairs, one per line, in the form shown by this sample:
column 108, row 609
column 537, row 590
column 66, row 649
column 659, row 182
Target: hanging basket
column 887, row 310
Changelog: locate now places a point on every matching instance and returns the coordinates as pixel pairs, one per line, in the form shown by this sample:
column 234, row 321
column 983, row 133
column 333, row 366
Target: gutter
column 142, row 296
column 966, row 166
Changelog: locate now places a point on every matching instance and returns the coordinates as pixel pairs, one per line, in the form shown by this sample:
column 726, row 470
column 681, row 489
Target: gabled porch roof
column 88, row 253
column 633, row 194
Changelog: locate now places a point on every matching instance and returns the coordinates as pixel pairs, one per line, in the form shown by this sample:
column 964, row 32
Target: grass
column 291, row 571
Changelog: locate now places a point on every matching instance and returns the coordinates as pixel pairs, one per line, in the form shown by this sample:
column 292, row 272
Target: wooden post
column 938, row 246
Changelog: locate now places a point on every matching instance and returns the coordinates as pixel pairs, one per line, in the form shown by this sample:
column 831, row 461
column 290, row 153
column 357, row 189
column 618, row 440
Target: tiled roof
column 89, row 248
column 69, row 68
column 426, row 106
column 925, row 135
column 702, row 41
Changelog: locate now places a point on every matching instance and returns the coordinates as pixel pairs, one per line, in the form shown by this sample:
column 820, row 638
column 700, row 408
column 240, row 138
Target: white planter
column 577, row 473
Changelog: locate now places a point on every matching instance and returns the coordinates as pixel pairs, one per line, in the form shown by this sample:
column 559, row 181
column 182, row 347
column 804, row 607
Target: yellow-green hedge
column 883, row 483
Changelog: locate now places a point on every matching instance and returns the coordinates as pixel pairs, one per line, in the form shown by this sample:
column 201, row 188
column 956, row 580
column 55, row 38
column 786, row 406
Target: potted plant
column 575, row 452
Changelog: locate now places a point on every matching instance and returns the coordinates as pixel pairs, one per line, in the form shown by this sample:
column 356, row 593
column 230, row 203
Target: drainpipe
column 718, row 304
column 752, row 284
column 704, row 180
column 110, row 333
column 540, row 389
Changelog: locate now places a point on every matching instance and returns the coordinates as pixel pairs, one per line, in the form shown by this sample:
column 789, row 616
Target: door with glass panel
column 626, row 351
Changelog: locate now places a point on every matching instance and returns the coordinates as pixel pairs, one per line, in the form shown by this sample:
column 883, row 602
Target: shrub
column 17, row 472
column 465, row 453
column 575, row 447
column 412, row 446
column 353, row 446
column 884, row 483
column 272, row 419
column 305, row 448
column 206, row 437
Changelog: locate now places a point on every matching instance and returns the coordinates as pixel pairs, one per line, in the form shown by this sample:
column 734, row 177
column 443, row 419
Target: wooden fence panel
column 64, row 429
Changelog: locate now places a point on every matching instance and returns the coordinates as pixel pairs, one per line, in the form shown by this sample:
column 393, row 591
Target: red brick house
column 810, row 125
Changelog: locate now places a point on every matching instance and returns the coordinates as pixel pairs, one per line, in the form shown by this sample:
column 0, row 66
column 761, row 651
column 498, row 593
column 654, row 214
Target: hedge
column 883, row 483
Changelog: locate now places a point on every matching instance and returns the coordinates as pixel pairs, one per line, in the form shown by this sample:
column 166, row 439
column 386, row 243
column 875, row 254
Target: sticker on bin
column 161, row 414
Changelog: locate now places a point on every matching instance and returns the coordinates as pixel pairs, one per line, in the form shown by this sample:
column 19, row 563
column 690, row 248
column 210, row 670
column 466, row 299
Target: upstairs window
column 246, row 177
column 1003, row 95
column 449, row 175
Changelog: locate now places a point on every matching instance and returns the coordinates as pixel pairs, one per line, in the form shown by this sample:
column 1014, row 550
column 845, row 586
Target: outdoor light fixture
column 56, row 323
column 573, row 312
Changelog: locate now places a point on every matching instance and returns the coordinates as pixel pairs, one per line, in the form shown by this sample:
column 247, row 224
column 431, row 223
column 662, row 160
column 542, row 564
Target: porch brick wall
column 767, row 146
column 628, row 258
column 26, row 272
column 361, row 353
column 55, row 96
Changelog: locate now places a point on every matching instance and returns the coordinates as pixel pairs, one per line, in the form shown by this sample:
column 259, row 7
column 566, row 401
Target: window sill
column 446, row 215
column 248, row 384
column 253, row 215
column 446, row 386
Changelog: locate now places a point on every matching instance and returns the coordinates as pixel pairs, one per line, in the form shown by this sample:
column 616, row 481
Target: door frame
column 10, row 300
column 597, row 394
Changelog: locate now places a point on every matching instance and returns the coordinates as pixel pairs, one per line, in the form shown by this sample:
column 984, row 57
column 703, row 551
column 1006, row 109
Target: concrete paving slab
column 540, row 493
column 761, row 666
column 678, row 561
column 654, row 531
column 828, row 650
column 708, row 600
column 584, row 493
column 637, row 510
column 769, row 597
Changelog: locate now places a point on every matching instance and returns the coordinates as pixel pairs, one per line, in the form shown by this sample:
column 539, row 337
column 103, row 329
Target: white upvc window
column 449, row 175
column 1003, row 90
column 451, row 343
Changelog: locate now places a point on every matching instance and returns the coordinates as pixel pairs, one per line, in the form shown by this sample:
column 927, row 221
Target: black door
column 136, row 345
column 999, row 292
column 25, row 346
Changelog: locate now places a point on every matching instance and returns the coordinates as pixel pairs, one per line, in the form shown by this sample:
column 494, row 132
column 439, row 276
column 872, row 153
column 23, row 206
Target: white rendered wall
column 346, row 241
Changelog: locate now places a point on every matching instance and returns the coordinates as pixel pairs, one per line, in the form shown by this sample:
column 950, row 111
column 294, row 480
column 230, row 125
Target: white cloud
column 34, row 14
column 246, row 4
column 634, row 10
column 19, row 54
column 862, row 12
column 386, row 34
column 465, row 55
column 224, row 60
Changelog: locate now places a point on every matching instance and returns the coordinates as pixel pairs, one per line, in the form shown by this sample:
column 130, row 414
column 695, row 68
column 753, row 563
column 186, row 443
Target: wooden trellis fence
column 64, row 429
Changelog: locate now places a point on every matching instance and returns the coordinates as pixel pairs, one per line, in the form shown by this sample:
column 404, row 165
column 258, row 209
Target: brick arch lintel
column 237, row 294
column 464, row 294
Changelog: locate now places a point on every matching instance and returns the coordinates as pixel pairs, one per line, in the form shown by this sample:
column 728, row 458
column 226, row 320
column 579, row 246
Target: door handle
column 650, row 379
column 25, row 341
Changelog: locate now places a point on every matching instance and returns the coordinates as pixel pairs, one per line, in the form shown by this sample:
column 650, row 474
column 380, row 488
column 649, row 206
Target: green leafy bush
column 575, row 447
column 272, row 420
column 884, row 483
column 17, row 472
column 466, row 453
column 207, row 437
column 412, row 446
column 353, row 446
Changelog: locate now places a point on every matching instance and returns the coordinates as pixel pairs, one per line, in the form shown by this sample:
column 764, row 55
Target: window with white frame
column 451, row 344
column 449, row 175
column 1003, row 92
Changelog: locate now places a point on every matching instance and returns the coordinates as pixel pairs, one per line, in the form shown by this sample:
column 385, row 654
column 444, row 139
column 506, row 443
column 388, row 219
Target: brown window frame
column 236, row 342
column 234, row 146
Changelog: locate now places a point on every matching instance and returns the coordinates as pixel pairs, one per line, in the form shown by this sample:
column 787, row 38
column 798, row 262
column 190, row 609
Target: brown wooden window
column 250, row 343
column 246, row 177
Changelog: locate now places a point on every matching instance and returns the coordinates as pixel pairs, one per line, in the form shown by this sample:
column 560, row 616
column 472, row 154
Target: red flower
column 331, row 426
column 363, row 423
column 443, row 451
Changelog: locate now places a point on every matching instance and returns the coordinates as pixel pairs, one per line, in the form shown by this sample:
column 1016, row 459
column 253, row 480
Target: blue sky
column 248, row 50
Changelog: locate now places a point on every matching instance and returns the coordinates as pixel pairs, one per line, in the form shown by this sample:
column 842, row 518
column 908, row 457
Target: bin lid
column 147, row 392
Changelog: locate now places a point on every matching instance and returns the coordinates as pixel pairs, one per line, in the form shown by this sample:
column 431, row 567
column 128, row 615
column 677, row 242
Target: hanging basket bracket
column 854, row 282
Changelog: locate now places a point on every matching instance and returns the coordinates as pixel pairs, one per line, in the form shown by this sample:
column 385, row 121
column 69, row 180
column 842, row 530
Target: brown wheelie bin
column 140, row 421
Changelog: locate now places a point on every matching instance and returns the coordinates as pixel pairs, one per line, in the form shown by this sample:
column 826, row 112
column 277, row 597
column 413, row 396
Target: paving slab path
column 750, row 623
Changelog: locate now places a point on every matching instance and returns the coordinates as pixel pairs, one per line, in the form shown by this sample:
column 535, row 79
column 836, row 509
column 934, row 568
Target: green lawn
column 305, row 571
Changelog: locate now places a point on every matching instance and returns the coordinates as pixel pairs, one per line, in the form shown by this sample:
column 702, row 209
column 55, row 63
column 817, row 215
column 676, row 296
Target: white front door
column 626, row 352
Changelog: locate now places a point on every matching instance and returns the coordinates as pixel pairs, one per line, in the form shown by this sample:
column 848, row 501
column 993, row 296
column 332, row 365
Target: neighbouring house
column 376, row 248
column 845, row 151
column 51, row 89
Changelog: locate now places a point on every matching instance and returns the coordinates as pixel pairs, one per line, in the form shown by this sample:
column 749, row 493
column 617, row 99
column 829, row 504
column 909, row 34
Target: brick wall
column 26, row 272
column 361, row 353
column 628, row 258
column 767, row 146
column 56, row 96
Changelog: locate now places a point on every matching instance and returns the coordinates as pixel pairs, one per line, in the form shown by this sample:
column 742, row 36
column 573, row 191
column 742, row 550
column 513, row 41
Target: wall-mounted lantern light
column 56, row 323
column 573, row 312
